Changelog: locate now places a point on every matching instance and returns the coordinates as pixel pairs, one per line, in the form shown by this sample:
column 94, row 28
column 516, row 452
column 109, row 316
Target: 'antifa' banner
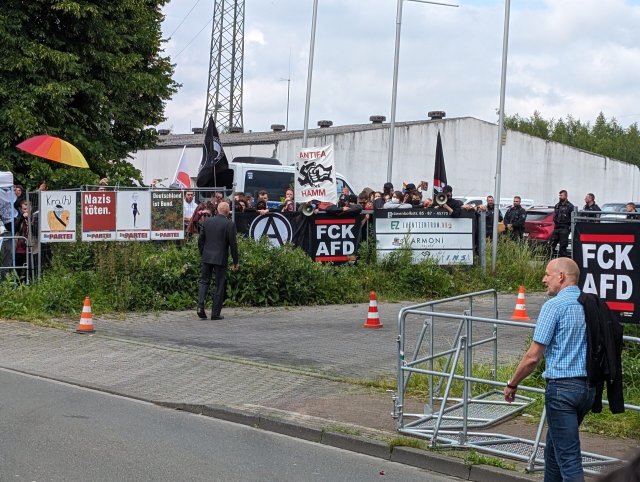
column 325, row 237
column 607, row 254
column 315, row 178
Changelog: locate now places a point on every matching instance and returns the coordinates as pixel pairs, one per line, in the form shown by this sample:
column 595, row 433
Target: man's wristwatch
column 512, row 387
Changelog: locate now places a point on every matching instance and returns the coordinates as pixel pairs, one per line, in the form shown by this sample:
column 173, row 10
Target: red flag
column 181, row 178
column 439, row 172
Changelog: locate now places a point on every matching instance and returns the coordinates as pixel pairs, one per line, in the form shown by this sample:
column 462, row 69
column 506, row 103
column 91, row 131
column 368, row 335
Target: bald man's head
column 223, row 208
column 559, row 274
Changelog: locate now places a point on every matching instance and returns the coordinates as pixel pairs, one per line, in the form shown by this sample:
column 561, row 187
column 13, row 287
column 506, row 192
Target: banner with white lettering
column 428, row 233
column 167, row 215
column 336, row 238
column 607, row 254
column 315, row 178
column 133, row 221
column 58, row 216
column 324, row 237
column 98, row 210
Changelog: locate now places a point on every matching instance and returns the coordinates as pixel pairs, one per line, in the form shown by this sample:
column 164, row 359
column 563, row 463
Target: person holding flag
column 439, row 171
column 214, row 167
column 440, row 186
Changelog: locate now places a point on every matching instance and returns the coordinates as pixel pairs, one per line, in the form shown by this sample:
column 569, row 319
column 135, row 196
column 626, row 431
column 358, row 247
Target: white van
column 254, row 174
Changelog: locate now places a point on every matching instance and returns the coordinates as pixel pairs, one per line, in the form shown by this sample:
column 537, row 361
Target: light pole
column 309, row 72
column 503, row 81
column 394, row 89
column 288, row 81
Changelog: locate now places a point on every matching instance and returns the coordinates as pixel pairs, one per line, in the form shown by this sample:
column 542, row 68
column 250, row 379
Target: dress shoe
column 201, row 314
column 219, row 317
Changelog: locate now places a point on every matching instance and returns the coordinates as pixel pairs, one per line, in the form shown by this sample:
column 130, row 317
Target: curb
column 435, row 462
column 429, row 461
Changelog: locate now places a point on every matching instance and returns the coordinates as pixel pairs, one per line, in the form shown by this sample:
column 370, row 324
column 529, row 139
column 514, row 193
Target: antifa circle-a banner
column 607, row 255
column 324, row 237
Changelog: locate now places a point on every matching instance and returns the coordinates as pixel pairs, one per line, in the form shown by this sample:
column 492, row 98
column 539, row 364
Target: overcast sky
column 575, row 57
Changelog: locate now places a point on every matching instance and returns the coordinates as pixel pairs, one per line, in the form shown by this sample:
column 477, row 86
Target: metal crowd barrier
column 8, row 256
column 448, row 421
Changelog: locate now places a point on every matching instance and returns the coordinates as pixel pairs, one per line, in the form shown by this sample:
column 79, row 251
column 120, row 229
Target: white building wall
column 531, row 167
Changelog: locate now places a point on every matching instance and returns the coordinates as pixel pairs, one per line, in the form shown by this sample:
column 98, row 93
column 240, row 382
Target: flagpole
column 305, row 133
column 503, row 81
column 394, row 88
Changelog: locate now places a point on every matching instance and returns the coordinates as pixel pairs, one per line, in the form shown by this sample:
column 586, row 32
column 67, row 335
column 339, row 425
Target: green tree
column 605, row 137
column 88, row 71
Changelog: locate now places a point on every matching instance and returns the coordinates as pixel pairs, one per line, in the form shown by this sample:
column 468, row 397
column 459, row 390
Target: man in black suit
column 217, row 237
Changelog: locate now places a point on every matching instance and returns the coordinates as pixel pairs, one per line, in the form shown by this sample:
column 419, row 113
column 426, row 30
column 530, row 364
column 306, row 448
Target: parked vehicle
column 615, row 208
column 539, row 225
column 254, row 174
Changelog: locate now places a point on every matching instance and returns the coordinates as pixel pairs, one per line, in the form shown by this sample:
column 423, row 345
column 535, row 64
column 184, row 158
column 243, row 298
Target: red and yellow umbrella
column 54, row 149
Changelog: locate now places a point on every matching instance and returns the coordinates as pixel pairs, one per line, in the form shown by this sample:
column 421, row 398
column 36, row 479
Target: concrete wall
column 531, row 167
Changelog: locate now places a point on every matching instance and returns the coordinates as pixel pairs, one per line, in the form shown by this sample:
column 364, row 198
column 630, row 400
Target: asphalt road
column 58, row 432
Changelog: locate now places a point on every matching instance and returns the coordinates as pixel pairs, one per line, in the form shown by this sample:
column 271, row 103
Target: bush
column 164, row 276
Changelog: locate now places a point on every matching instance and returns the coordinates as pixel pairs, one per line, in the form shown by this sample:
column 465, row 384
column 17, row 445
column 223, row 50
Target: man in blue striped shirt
column 560, row 335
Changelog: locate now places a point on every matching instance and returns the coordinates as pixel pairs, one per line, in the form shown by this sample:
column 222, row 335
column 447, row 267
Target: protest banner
column 57, row 216
column 315, row 178
column 607, row 254
column 428, row 233
column 167, row 213
column 133, row 221
column 98, row 210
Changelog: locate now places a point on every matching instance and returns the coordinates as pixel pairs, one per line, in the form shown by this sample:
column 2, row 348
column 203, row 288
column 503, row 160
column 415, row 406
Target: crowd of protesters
column 411, row 196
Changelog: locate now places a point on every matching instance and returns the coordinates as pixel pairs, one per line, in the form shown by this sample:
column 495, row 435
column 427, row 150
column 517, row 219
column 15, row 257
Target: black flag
column 214, row 165
column 439, row 172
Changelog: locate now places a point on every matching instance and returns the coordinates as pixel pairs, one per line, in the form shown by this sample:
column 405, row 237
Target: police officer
column 514, row 219
column 489, row 208
column 562, row 221
column 590, row 205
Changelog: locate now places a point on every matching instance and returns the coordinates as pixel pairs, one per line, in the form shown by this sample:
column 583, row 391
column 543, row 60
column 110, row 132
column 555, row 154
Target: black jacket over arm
column 604, row 352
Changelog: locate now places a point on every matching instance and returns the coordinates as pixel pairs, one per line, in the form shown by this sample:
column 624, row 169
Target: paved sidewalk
column 304, row 367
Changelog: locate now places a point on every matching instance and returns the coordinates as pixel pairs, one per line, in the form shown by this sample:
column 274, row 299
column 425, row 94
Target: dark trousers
column 517, row 233
column 205, row 282
column 560, row 236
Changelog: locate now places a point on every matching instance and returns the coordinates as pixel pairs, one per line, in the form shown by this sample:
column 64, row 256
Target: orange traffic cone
column 520, row 313
column 373, row 318
column 86, row 321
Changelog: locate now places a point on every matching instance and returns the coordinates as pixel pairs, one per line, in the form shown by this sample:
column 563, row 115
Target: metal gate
column 445, row 348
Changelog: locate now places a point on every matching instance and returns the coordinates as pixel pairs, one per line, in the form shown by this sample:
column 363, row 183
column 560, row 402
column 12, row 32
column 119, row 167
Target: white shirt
column 189, row 208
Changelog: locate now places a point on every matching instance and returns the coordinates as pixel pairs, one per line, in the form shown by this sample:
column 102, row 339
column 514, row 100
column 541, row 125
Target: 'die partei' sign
column 315, row 177
column 607, row 254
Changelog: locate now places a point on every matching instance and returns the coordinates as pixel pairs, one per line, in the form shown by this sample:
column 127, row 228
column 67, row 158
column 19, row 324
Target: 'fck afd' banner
column 607, row 254
column 315, row 178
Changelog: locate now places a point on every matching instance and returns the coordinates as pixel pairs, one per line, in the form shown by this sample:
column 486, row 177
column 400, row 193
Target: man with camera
column 445, row 200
